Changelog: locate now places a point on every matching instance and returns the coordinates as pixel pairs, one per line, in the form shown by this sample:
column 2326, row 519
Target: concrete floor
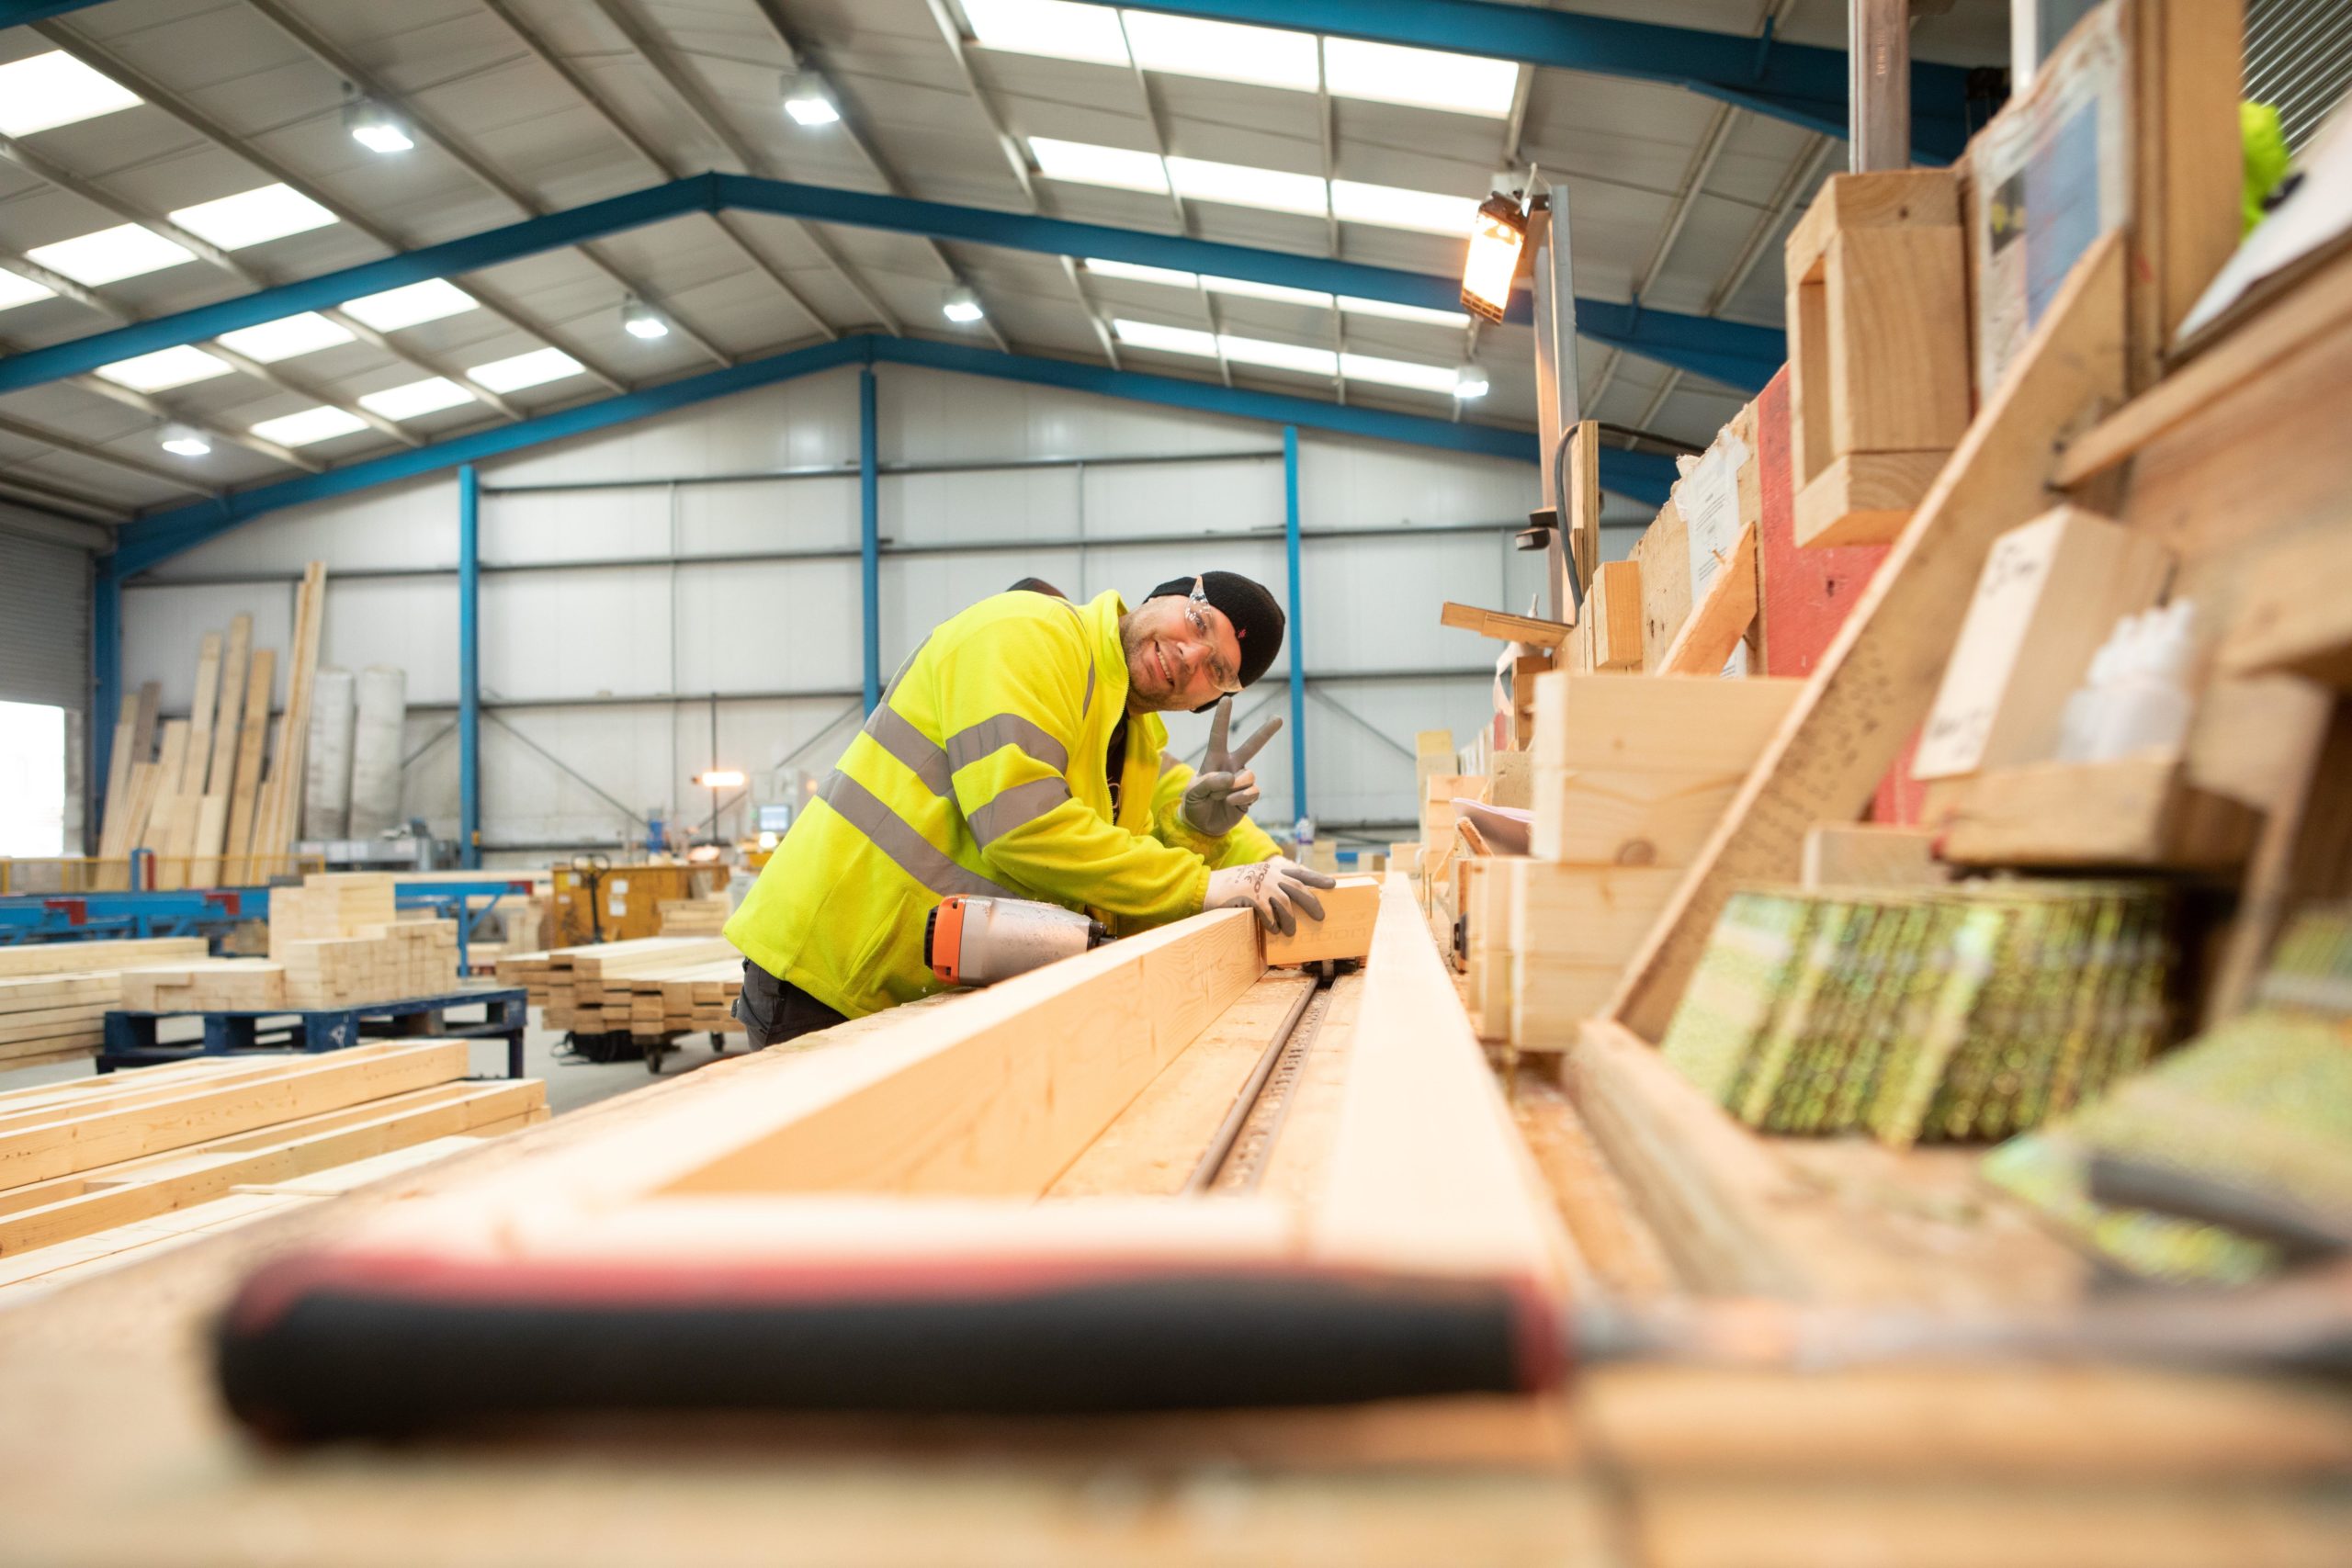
column 571, row 1083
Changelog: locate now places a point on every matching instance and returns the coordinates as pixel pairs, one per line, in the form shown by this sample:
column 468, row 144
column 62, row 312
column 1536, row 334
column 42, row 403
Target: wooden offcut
column 2138, row 811
column 1615, row 610
column 1503, row 624
column 1344, row 931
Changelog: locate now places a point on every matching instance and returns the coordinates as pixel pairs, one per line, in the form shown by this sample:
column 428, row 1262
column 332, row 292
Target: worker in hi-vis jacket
column 1019, row 753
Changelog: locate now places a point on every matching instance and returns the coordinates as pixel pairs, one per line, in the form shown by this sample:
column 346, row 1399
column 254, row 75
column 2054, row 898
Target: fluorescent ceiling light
column 43, row 91
column 175, row 366
column 16, row 290
column 1423, row 78
column 1197, row 179
column 1089, row 164
column 320, row 424
column 374, row 126
column 962, row 307
column 250, row 217
column 1227, row 51
column 534, row 368
column 1399, row 373
column 1167, row 340
column 1055, row 28
column 410, row 305
column 1250, row 290
column 1138, row 274
column 1470, row 381
column 428, row 396
column 110, row 255
column 187, row 441
column 1280, row 356
column 808, row 100
column 1426, row 210
column 286, row 337
column 1356, row 307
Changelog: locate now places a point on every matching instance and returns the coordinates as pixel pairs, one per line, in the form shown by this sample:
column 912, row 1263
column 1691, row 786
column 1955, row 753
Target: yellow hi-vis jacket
column 982, row 772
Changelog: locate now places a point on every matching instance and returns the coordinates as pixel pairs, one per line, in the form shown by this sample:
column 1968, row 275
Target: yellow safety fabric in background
column 982, row 772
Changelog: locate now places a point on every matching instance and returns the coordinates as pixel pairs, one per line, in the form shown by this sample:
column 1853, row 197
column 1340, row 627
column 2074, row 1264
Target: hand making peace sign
column 1222, row 792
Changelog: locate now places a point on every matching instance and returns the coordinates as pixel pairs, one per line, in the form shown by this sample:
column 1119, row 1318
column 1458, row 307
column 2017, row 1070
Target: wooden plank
column 1582, row 524
column 1610, row 1233
column 82, row 957
column 1581, row 914
column 1645, row 724
column 1860, row 854
column 245, row 784
column 2188, row 165
column 2285, row 625
column 1550, row 998
column 1864, row 498
column 1616, row 616
column 1878, row 678
column 118, row 760
column 997, row 1093
column 1609, row 817
column 201, row 705
column 1344, row 931
column 1717, row 623
column 2132, row 811
column 1663, row 554
column 229, row 708
column 2050, row 592
column 1503, row 624
column 1153, row 1147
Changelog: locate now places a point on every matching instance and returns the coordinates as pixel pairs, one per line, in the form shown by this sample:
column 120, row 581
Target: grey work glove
column 1271, row 887
column 1222, row 792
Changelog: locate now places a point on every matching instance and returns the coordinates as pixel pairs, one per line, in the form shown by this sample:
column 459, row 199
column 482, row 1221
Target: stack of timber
column 649, row 987
column 54, row 997
column 98, row 1172
column 202, row 797
column 693, row 916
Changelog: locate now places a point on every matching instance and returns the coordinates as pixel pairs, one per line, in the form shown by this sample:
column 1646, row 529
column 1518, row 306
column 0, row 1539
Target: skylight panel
column 44, row 91
column 428, row 396
column 166, row 367
column 1398, row 373
column 320, row 424
column 16, row 290
column 110, row 255
column 251, row 216
column 1423, row 78
column 1240, row 185
column 286, row 337
column 1394, row 208
column 412, row 305
column 1356, row 307
column 1250, row 290
column 1053, row 28
column 1168, row 340
column 1138, row 274
column 532, row 369
column 1089, row 164
column 1227, row 51
column 1280, row 356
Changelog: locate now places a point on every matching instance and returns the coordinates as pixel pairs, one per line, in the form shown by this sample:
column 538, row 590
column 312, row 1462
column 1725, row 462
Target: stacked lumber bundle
column 201, row 798
column 54, row 997
column 339, row 943
column 595, row 990
column 100, row 1172
column 694, row 917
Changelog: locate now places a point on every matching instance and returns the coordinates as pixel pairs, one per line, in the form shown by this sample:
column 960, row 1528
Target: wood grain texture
column 1875, row 684
column 1502, row 624
column 1719, row 622
column 1862, row 855
column 1344, row 931
column 1616, row 616
column 1864, row 498
column 1663, row 554
column 2132, row 811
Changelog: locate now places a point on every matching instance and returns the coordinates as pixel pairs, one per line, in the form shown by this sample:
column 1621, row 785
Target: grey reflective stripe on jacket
column 1016, row 808
column 896, row 836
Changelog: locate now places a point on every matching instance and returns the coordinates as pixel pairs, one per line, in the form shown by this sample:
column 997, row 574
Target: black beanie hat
column 1257, row 620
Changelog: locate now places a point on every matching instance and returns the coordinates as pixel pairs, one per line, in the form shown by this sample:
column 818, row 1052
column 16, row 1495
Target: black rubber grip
column 311, row 1358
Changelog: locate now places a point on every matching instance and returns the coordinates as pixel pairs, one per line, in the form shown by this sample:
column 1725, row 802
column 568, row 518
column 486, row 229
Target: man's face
column 1181, row 654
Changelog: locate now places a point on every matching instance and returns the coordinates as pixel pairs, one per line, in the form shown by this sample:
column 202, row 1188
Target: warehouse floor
column 571, row 1084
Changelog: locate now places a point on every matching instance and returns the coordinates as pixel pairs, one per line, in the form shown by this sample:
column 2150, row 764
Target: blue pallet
column 130, row 1036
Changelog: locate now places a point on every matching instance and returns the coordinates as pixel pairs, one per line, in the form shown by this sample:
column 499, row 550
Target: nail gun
column 977, row 940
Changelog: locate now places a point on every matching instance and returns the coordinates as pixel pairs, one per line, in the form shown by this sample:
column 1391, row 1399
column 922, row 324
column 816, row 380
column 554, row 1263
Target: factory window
column 32, row 780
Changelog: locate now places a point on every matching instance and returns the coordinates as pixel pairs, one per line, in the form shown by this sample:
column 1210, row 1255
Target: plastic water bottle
column 2147, row 705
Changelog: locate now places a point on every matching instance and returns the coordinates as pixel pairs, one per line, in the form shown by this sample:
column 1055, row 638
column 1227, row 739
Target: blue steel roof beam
column 547, row 55
column 24, row 13
column 1744, row 356
column 1802, row 83
column 328, row 54
column 159, row 536
column 161, row 97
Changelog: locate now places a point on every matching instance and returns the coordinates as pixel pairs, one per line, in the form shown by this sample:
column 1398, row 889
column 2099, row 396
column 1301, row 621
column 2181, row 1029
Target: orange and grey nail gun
column 972, row 940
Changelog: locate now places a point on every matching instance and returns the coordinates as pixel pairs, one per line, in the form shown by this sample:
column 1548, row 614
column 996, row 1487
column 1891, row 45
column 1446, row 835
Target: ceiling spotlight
column 963, row 307
column 807, row 100
column 1469, row 380
column 372, row 125
column 641, row 320
column 187, row 441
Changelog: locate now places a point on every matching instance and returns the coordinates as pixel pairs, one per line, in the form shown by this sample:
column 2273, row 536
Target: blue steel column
column 105, row 687
column 470, row 665
column 869, row 533
column 1297, row 638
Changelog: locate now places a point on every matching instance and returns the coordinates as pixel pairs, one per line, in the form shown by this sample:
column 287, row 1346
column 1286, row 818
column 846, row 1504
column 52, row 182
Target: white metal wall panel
column 1001, row 503
column 768, row 626
column 601, row 631
column 44, row 623
column 571, row 526
column 410, row 622
column 163, row 625
column 1175, row 498
column 936, row 417
column 794, row 515
column 1349, row 484
column 1371, row 602
column 413, row 523
column 806, row 424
